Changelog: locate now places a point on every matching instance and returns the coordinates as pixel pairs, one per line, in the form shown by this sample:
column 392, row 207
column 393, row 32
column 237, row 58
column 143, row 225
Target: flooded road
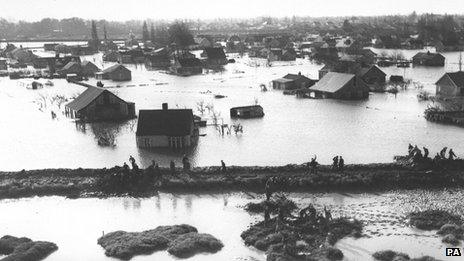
column 76, row 224
column 292, row 130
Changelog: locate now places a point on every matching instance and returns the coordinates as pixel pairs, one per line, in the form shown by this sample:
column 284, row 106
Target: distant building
column 134, row 55
column 451, row 85
column 158, row 58
column 215, row 56
column 50, row 46
column 428, row 59
column 292, row 82
column 245, row 112
column 88, row 69
column 372, row 75
column 116, row 72
column 166, row 128
column 71, row 68
column 111, row 56
column 96, row 104
column 3, row 65
column 187, row 66
column 341, row 86
column 202, row 42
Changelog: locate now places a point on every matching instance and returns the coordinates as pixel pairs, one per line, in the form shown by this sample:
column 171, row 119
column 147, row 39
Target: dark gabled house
column 428, row 59
column 187, row 66
column 115, row 72
column 372, row 75
column 215, row 56
column 89, row 69
column 96, row 104
column 70, row 68
column 158, row 58
column 451, row 85
column 166, row 128
column 341, row 86
column 292, row 82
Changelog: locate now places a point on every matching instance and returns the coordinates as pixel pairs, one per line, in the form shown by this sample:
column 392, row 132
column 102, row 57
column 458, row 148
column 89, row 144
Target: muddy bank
column 114, row 181
column 179, row 240
column 24, row 249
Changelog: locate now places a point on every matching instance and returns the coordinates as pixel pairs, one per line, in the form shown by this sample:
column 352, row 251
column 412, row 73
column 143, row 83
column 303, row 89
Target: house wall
column 282, row 85
column 445, row 87
column 120, row 74
column 99, row 109
column 160, row 141
column 353, row 90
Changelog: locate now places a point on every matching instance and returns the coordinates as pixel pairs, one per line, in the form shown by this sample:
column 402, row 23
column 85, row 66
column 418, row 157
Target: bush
column 189, row 244
column 389, row 255
column 31, row 251
column 450, row 239
column 432, row 219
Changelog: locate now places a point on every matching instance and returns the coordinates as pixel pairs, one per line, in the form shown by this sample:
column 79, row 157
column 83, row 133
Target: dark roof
column 427, row 55
column 114, row 68
column 90, row 64
column 332, row 82
column 456, row 77
column 365, row 70
column 189, row 62
column 215, row 53
column 176, row 122
column 247, row 107
column 296, row 77
column 70, row 65
column 85, row 98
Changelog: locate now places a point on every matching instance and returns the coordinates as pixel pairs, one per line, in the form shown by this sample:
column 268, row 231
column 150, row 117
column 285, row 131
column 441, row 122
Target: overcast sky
column 121, row 10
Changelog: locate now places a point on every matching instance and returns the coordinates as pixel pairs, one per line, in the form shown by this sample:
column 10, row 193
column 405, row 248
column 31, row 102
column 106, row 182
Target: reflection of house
column 341, row 86
column 292, row 82
column 116, row 72
column 253, row 111
column 166, row 128
column 428, row 59
column 215, row 56
column 372, row 75
column 88, row 68
column 187, row 66
column 99, row 104
column 451, row 85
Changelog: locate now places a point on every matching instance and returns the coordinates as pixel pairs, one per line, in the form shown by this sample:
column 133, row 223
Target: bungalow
column 158, row 58
column 187, row 66
column 293, row 82
column 341, row 86
column 88, row 69
column 99, row 104
column 71, row 68
column 115, row 72
column 372, row 75
column 253, row 111
column 166, row 128
column 451, row 85
column 428, row 59
column 215, row 56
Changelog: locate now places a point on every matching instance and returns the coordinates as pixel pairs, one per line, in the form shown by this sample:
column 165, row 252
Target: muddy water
column 76, row 224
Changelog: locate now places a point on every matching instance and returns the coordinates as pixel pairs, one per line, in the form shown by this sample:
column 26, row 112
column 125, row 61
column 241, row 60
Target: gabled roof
column 89, row 64
column 457, row 78
column 70, row 65
column 85, row 98
column 114, row 68
column 176, row 122
column 332, row 82
column 427, row 55
column 215, row 53
column 296, row 77
column 363, row 71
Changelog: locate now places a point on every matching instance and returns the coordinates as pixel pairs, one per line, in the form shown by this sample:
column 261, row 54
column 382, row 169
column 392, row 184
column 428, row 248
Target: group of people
column 338, row 163
column 416, row 154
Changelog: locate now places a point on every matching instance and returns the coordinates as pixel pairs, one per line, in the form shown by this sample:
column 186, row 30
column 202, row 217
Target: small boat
column 219, row 96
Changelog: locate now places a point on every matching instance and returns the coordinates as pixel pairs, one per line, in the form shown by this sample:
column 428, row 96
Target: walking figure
column 426, row 152
column 341, row 164
column 172, row 166
column 186, row 163
column 223, row 166
column 451, row 154
column 313, row 164
column 410, row 149
column 335, row 162
column 131, row 159
column 443, row 153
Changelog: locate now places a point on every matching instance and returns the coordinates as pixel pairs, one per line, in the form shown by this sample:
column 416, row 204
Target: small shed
column 292, row 82
column 187, row 66
column 89, row 69
column 372, row 75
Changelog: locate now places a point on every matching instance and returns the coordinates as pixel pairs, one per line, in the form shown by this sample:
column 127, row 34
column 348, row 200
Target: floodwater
column 292, row 130
column 76, row 224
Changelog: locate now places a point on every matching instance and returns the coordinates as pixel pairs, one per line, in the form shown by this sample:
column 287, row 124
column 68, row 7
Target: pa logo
column 453, row 251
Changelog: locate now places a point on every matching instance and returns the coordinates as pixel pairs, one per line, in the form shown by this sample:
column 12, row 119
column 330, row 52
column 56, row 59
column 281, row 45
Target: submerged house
column 70, row 68
column 451, row 85
column 96, row 104
column 341, row 86
column 372, row 75
column 88, row 69
column 187, row 66
column 292, row 82
column 166, row 128
column 245, row 112
column 215, row 56
column 428, row 59
column 115, row 72
column 158, row 58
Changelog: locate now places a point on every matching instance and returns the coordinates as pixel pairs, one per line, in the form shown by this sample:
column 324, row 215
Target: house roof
column 114, row 68
column 365, row 70
column 247, row 107
column 215, row 53
column 427, row 55
column 296, row 77
column 332, row 82
column 456, row 77
column 189, row 62
column 70, row 65
column 176, row 122
column 85, row 98
column 89, row 64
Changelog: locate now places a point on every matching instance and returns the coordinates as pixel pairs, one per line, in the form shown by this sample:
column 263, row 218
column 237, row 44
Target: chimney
column 165, row 106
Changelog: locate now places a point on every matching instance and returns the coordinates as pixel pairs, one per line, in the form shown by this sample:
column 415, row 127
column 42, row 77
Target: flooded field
column 76, row 224
column 292, row 130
